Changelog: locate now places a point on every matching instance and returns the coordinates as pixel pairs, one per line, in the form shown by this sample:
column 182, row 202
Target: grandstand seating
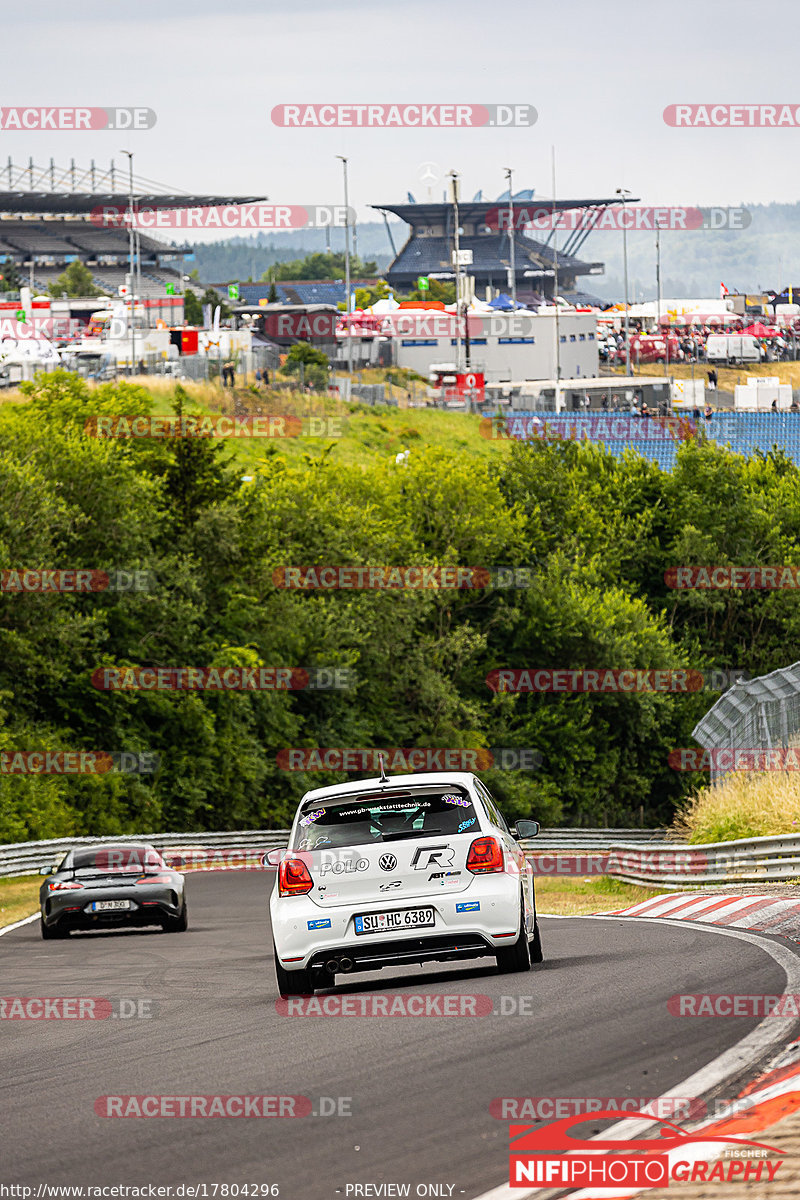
column 323, row 292
column 153, row 282
column 741, row 432
column 52, row 244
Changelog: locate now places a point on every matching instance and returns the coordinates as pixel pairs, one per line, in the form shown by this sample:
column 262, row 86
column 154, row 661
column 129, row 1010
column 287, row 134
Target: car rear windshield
column 116, row 859
column 357, row 820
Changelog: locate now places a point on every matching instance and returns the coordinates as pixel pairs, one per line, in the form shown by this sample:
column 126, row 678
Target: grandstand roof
column 418, row 214
column 85, row 202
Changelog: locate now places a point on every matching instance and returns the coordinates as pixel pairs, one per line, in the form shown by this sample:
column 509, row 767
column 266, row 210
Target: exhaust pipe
column 332, row 966
column 346, row 964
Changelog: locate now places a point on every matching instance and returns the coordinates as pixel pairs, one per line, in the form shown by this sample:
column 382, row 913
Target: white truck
column 731, row 347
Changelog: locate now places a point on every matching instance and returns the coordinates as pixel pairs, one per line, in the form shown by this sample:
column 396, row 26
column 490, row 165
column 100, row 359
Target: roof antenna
column 383, row 773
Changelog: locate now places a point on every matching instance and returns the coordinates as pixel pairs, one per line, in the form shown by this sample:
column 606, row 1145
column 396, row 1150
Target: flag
column 723, row 291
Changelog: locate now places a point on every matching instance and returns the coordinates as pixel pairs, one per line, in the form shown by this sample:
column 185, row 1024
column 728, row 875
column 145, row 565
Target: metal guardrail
column 639, row 856
column 25, row 858
column 748, row 860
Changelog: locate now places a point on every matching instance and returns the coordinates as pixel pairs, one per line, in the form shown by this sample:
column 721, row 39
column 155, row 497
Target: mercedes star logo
column 387, row 862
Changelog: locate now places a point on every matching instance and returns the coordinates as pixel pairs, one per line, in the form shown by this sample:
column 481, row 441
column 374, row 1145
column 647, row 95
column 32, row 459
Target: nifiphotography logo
column 550, row 1155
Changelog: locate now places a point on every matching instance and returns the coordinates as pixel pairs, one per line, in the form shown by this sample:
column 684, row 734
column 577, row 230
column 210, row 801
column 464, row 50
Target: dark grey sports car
column 99, row 887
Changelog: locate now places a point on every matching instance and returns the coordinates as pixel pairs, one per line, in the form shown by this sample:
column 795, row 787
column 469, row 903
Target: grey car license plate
column 386, row 922
column 109, row 905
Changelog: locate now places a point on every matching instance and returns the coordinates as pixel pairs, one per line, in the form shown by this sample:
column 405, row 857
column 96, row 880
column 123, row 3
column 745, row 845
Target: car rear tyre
column 536, row 945
column 293, row 983
column 177, row 924
column 50, row 932
column 518, row 956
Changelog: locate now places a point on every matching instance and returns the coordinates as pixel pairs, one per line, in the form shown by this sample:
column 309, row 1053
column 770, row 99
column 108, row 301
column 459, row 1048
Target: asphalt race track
column 420, row 1087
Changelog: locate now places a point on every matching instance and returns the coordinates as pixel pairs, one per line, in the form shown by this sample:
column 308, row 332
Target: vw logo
column 387, row 862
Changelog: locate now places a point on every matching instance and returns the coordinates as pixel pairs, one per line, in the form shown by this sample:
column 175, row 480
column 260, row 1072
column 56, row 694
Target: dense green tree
column 9, row 276
column 192, row 308
column 597, row 535
column 75, row 281
column 320, row 266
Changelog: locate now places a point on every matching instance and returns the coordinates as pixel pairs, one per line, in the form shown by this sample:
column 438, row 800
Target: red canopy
column 759, row 329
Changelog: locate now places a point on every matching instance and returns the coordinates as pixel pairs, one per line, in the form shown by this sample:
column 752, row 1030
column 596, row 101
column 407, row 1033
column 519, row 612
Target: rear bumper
column 152, row 910
column 474, row 922
column 372, row 956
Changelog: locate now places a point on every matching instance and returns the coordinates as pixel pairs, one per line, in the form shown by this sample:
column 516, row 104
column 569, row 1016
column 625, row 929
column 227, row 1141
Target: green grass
column 576, row 896
column 364, row 433
column 18, row 898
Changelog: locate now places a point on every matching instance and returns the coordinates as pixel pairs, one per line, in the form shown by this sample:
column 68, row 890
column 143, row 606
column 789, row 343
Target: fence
column 750, row 860
column 25, row 858
column 754, row 714
column 645, row 857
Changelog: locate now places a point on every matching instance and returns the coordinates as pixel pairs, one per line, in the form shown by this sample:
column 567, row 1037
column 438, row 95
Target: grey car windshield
column 114, row 859
column 358, row 820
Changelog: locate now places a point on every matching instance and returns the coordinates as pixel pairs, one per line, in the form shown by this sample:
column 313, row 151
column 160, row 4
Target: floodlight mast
column 130, row 258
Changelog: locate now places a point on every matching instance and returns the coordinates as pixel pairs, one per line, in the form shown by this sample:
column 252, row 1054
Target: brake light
column 64, row 885
column 154, row 879
column 293, row 878
column 485, row 855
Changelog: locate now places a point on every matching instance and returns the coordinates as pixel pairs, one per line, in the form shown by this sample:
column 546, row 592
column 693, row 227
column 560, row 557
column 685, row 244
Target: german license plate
column 386, row 922
column 109, row 905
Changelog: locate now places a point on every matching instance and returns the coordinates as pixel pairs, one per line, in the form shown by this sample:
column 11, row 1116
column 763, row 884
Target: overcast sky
column 599, row 75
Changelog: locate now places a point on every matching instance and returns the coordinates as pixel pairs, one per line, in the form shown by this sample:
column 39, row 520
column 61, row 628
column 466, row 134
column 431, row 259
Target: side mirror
column 46, row 870
column 526, row 829
column 272, row 858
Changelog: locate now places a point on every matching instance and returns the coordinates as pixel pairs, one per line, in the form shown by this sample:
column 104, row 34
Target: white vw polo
column 410, row 869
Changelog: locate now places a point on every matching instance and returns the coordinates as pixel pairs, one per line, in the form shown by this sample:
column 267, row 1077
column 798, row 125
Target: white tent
column 389, row 304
